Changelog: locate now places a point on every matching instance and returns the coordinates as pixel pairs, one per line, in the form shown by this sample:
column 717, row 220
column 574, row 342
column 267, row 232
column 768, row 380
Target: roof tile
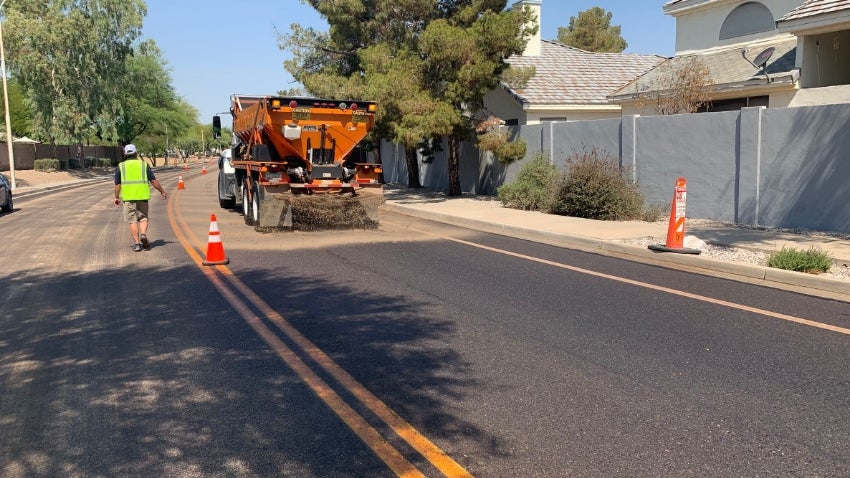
column 811, row 8
column 568, row 75
column 728, row 66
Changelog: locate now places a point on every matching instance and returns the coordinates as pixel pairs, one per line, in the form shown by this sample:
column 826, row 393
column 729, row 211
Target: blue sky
column 215, row 48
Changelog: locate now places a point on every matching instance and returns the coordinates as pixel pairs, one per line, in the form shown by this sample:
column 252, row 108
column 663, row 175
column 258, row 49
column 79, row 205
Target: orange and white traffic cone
column 204, row 169
column 180, row 183
column 215, row 249
column 676, row 227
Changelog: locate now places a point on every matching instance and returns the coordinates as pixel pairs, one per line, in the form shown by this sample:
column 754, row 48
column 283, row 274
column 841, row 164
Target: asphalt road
column 418, row 348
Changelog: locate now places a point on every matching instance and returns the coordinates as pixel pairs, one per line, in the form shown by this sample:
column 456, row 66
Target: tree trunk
column 376, row 150
column 454, row 166
column 412, row 168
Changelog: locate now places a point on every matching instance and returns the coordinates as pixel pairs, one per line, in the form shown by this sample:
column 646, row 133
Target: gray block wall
column 782, row 167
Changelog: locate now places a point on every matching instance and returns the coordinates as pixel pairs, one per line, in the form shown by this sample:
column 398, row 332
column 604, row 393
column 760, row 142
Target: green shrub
column 46, row 164
column 530, row 191
column 595, row 187
column 92, row 162
column 503, row 149
column 63, row 164
column 75, row 163
column 812, row 261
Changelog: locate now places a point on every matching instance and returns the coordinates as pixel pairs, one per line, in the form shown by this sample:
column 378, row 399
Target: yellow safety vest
column 134, row 180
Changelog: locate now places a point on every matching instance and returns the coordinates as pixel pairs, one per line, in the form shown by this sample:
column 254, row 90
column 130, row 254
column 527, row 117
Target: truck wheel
column 255, row 206
column 246, row 202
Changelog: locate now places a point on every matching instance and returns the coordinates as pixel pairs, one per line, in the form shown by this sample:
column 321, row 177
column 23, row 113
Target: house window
column 512, row 122
column 735, row 104
column 746, row 19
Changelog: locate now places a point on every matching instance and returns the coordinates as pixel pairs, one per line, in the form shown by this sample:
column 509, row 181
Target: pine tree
column 592, row 31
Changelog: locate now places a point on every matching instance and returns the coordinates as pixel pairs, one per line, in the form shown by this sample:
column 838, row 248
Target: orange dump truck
column 285, row 147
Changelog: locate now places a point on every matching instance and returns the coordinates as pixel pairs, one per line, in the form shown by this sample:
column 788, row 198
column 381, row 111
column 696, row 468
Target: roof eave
column 822, row 23
column 575, row 107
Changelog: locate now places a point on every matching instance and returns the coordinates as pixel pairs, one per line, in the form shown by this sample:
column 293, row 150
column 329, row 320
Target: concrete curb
column 761, row 275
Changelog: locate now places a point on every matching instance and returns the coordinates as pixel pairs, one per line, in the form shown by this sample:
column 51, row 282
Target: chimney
column 536, row 6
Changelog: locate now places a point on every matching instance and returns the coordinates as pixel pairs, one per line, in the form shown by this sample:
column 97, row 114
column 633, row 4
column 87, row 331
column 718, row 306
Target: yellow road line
column 367, row 433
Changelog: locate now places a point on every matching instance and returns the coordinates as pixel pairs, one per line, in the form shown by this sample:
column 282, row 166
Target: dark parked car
column 226, row 181
column 5, row 194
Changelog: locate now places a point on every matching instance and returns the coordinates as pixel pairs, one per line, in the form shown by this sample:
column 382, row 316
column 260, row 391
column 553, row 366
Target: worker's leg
column 134, row 232
column 142, row 214
column 131, row 217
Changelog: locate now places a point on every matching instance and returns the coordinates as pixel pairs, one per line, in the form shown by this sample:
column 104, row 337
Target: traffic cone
column 215, row 249
column 676, row 227
column 204, row 169
column 186, row 167
column 180, row 183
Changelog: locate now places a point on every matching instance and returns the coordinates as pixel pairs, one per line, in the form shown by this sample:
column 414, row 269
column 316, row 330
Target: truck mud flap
column 272, row 207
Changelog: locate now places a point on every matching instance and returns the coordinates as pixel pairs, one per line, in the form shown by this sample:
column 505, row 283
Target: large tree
column 152, row 114
column 69, row 56
column 591, row 30
column 20, row 115
column 428, row 66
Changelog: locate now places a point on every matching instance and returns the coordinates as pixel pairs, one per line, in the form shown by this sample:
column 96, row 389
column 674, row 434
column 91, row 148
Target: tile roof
column 567, row 75
column 728, row 66
column 811, row 8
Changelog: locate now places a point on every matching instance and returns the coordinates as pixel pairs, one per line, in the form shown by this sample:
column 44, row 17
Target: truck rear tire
column 250, row 203
column 246, row 201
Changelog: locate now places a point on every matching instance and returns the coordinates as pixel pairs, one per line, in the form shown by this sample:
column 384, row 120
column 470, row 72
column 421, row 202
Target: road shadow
column 150, row 372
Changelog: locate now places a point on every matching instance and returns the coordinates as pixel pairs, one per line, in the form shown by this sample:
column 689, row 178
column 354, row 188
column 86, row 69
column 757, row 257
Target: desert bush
column 503, row 149
column 654, row 212
column 531, row 190
column 92, row 162
column 812, row 261
column 46, row 164
column 596, row 187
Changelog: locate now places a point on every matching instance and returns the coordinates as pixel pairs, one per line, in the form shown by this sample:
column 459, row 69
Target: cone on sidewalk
column 215, row 249
column 180, row 183
column 676, row 227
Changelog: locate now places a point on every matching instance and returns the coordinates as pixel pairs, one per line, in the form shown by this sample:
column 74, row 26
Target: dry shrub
column 596, row 187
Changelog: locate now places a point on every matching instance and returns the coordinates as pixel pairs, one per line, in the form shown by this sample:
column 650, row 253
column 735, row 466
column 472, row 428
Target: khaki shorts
column 135, row 211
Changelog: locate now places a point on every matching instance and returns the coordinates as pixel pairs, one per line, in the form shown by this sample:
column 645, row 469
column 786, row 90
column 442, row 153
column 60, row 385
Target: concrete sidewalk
column 611, row 237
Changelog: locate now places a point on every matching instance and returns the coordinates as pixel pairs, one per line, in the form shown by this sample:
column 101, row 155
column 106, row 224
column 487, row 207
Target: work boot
column 145, row 243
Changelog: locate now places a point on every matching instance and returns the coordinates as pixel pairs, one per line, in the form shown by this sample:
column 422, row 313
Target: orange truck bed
column 305, row 142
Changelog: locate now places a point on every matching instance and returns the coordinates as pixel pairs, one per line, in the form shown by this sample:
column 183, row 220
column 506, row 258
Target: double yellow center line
column 228, row 285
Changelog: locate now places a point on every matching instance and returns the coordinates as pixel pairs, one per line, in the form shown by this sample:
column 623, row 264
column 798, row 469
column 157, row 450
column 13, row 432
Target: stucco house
column 569, row 85
column 772, row 53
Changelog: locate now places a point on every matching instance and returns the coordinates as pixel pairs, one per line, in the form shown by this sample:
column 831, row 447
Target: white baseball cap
column 129, row 149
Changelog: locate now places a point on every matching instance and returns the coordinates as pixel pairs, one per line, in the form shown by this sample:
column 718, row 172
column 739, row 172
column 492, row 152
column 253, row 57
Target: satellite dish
column 761, row 58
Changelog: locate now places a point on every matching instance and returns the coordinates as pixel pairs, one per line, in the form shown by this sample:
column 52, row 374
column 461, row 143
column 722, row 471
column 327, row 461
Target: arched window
column 747, row 18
